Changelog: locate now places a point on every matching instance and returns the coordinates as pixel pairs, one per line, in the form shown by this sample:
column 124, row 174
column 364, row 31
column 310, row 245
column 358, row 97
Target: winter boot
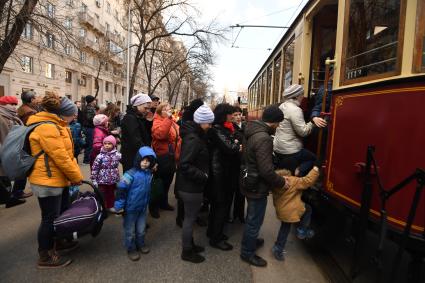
column 63, row 246
column 191, row 256
column 51, row 259
column 197, row 249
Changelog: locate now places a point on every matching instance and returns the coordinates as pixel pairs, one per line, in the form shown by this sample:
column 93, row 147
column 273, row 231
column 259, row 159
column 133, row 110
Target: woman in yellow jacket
column 53, row 171
column 291, row 209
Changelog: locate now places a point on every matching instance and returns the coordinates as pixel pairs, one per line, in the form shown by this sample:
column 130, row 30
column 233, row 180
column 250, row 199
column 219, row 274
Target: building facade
column 43, row 61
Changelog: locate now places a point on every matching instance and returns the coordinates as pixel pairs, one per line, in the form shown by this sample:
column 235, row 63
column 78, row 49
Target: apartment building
column 44, row 61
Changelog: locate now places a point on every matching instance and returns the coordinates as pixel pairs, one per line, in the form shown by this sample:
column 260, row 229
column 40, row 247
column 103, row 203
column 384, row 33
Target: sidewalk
column 103, row 259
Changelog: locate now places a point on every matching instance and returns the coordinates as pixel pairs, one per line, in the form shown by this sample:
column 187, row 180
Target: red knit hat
column 9, row 99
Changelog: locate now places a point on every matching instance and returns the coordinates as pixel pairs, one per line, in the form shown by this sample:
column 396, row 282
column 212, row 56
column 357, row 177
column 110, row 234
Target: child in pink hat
column 105, row 173
column 101, row 131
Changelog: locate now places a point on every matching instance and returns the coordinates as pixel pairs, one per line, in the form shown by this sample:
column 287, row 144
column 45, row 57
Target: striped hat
column 293, row 91
column 203, row 115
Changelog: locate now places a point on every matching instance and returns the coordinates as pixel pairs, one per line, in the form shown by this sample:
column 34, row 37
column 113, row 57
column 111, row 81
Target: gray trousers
column 192, row 205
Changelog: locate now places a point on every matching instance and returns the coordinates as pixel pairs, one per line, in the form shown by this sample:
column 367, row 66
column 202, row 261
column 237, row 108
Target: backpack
column 16, row 152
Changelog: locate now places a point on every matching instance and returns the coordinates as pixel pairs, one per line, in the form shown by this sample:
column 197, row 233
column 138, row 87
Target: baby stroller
column 84, row 216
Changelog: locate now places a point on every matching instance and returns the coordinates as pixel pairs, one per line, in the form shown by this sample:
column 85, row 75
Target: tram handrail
column 372, row 50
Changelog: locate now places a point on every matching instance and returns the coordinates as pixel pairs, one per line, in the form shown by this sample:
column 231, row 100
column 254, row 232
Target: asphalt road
column 103, row 259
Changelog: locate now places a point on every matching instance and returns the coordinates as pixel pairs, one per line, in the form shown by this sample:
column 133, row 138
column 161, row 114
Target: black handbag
column 249, row 180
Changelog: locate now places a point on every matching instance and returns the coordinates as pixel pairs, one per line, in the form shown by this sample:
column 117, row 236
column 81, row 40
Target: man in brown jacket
column 258, row 157
column 30, row 105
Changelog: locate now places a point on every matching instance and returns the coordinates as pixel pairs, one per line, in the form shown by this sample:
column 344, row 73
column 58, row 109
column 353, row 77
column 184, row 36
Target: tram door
column 323, row 46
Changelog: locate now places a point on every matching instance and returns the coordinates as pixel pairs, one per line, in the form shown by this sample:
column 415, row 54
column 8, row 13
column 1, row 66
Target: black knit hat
column 272, row 114
column 89, row 98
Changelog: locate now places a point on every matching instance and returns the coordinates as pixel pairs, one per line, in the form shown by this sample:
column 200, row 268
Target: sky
column 235, row 68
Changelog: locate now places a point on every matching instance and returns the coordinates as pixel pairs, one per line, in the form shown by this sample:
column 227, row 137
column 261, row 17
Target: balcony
column 86, row 19
column 115, row 38
column 86, row 43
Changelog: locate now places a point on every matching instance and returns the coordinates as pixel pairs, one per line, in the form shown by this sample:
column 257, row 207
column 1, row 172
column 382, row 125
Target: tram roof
column 284, row 37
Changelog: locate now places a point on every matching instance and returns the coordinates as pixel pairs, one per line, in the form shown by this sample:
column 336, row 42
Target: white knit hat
column 140, row 99
column 293, row 91
column 203, row 115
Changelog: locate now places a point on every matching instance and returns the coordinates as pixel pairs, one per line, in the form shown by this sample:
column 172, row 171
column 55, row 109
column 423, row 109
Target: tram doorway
column 323, row 45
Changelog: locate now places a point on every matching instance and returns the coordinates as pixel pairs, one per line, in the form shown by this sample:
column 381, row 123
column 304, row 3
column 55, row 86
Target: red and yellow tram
column 377, row 49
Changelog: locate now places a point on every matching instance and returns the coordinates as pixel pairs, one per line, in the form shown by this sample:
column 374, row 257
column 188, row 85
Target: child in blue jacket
column 133, row 197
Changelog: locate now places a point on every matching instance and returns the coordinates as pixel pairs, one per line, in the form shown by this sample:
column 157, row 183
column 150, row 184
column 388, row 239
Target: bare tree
column 150, row 28
column 48, row 20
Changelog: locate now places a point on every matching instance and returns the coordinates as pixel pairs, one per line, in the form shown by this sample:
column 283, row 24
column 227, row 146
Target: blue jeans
column 304, row 159
column 254, row 219
column 88, row 132
column 134, row 230
column 285, row 227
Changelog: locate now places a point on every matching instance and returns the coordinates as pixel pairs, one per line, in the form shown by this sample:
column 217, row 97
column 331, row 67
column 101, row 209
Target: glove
column 318, row 163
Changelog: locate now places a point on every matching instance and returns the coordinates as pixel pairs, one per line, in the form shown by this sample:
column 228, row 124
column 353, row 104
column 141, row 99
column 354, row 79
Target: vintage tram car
column 376, row 130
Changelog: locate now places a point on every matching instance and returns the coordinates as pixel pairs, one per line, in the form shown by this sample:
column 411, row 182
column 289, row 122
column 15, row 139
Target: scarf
column 229, row 125
column 10, row 115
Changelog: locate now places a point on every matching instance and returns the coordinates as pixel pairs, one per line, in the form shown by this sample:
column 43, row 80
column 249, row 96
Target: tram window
column 288, row 64
column 269, row 84
column 419, row 54
column 263, row 88
column 373, row 39
column 276, row 78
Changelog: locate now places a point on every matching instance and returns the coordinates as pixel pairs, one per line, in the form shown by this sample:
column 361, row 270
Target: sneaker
column 304, row 233
column 51, row 259
column 111, row 210
column 278, row 254
column 144, row 250
column 191, row 256
column 133, row 255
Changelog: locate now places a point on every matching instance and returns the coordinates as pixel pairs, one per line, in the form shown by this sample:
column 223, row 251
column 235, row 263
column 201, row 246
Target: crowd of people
column 219, row 161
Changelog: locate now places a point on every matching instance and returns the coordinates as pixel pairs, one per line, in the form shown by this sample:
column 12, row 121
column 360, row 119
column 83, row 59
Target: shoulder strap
column 46, row 157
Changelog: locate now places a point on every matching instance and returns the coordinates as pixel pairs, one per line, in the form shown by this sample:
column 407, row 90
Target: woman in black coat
column 134, row 134
column 192, row 176
column 224, row 154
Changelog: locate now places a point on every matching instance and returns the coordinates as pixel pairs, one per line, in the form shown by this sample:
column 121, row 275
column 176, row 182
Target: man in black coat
column 259, row 163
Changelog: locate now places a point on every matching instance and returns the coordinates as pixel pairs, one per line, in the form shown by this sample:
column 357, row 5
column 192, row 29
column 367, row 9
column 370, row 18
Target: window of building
column 98, row 4
column 68, row 49
column 96, row 39
column 68, row 76
column 83, row 8
column 115, row 89
column 27, row 33
column 108, row 7
column 26, row 63
column 83, row 32
column 68, row 23
column 269, row 84
column 116, row 14
column 70, row 3
column 83, row 80
column 50, row 40
column 106, row 66
column 106, row 86
column 373, row 39
column 50, row 10
column 288, row 64
column 50, row 70
column 83, row 56
column 419, row 52
column 108, row 27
